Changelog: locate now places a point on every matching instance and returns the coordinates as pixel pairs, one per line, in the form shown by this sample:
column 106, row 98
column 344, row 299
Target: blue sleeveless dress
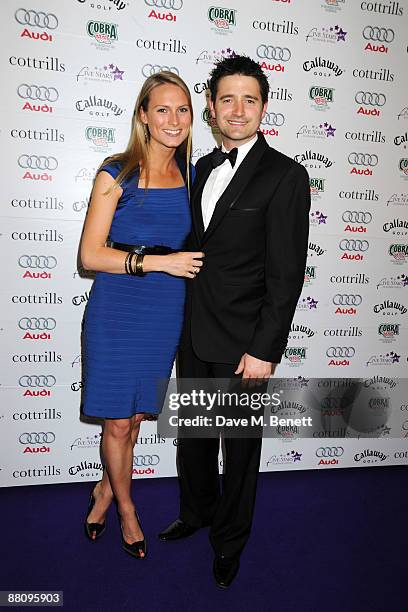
column 132, row 324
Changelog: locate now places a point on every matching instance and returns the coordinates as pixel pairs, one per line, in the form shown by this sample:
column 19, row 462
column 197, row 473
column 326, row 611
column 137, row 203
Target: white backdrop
column 338, row 104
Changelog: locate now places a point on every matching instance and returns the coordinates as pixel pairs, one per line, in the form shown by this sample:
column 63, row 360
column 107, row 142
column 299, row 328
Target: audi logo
column 378, row 34
column 150, row 69
column 174, row 5
column 34, row 381
column 37, row 162
column 353, row 245
column 40, row 437
column 40, row 262
column 370, row 98
column 340, row 351
column 276, row 119
column 37, row 323
column 356, row 216
column 39, row 19
column 143, row 460
column 330, row 451
column 282, row 54
column 344, row 299
column 37, row 92
column 363, row 159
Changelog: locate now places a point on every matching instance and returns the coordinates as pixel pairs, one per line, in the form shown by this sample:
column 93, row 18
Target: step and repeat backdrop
column 71, row 72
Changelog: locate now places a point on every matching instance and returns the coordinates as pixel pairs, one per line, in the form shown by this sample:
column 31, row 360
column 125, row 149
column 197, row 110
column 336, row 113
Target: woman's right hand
column 184, row 263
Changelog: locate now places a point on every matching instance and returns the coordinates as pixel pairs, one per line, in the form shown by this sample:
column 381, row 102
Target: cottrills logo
column 389, row 331
column 311, row 159
column 296, row 355
column 321, row 97
column 100, row 137
column 316, row 187
column 398, row 253
column 388, row 359
column 222, row 18
column 104, row 33
column 322, row 67
column 403, row 167
column 310, row 275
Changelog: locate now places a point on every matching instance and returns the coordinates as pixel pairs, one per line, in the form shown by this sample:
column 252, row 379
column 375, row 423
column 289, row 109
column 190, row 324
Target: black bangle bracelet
column 139, row 265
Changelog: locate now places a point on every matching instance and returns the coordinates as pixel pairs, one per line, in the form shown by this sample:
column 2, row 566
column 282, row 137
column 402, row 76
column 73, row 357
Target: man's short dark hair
column 239, row 64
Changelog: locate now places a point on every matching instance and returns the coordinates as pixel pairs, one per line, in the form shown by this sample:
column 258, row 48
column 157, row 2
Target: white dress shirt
column 219, row 180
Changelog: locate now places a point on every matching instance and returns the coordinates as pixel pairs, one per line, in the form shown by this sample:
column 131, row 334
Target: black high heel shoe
column 93, row 530
column 136, row 548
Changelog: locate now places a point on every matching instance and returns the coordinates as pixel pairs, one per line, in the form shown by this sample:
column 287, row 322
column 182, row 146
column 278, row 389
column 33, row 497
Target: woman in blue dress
column 133, row 319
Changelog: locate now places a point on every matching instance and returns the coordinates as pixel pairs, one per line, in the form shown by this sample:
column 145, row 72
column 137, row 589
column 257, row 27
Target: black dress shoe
column 176, row 531
column 225, row 569
column 93, row 530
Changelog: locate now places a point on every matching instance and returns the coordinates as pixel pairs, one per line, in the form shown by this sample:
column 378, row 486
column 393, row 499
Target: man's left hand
column 257, row 371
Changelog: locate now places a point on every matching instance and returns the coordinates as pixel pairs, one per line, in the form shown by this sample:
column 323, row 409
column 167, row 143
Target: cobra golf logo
column 37, row 441
column 210, row 120
column 340, row 355
column 353, row 249
column 102, row 32
column 329, row 455
column 45, row 22
column 162, row 9
column 145, row 464
column 296, row 355
column 37, row 266
column 321, row 96
column 389, row 331
column 403, row 166
column 273, row 58
column 378, row 38
column 370, row 103
column 271, row 122
column 362, row 163
column 398, row 252
column 37, row 385
column 151, row 69
column 100, row 137
column 37, row 167
column 356, row 220
column 222, row 18
column 37, row 328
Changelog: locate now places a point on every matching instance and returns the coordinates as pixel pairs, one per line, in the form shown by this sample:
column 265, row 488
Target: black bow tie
column 218, row 157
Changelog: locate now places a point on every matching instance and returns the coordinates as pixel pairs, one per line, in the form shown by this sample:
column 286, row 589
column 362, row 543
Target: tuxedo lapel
column 196, row 195
column 238, row 183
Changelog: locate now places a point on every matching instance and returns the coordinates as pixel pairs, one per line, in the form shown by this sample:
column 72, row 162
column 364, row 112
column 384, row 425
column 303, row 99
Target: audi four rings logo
column 174, row 5
column 151, row 69
column 143, row 460
column 37, row 323
column 330, row 451
column 39, row 19
column 363, row 159
column 34, row 381
column 276, row 119
column 340, row 351
column 279, row 54
column 37, row 92
column 37, row 162
column 378, row 34
column 353, row 245
column 370, row 98
column 40, row 262
column 344, row 299
column 38, row 437
column 356, row 216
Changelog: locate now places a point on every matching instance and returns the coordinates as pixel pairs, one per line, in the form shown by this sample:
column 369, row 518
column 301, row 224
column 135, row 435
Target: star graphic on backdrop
column 322, row 219
column 341, row 34
column 395, row 358
column 405, row 281
column 312, row 302
column 329, row 130
column 296, row 456
column 386, row 430
column 117, row 74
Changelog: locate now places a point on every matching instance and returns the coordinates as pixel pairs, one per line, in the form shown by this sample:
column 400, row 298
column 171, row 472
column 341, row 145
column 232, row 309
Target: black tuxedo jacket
column 244, row 297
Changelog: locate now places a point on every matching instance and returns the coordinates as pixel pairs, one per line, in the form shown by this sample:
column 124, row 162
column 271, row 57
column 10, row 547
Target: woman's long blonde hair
column 136, row 154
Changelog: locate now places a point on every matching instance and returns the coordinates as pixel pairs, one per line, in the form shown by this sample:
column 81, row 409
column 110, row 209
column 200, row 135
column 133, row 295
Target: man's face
column 238, row 109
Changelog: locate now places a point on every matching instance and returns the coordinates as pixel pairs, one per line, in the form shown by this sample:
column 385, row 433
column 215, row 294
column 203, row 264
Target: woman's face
column 168, row 115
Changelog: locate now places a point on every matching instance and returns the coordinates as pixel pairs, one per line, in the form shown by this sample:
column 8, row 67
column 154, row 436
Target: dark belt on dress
column 157, row 249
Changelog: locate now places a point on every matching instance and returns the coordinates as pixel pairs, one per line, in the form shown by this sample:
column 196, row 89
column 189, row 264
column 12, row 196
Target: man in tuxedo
column 250, row 209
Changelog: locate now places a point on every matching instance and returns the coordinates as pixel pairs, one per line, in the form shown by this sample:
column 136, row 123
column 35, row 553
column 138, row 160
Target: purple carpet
column 334, row 540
